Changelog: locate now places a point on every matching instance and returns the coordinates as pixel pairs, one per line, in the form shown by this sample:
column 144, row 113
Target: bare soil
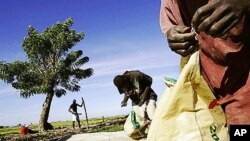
column 63, row 133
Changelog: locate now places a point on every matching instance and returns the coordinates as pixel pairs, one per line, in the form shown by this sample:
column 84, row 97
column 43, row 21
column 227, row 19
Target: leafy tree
column 51, row 68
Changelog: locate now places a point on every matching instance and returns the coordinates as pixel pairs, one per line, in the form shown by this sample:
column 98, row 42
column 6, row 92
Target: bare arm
column 80, row 105
column 180, row 38
column 125, row 100
column 144, row 96
column 71, row 111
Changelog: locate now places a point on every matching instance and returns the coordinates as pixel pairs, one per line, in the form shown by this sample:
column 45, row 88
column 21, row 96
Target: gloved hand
column 218, row 16
column 123, row 104
column 182, row 40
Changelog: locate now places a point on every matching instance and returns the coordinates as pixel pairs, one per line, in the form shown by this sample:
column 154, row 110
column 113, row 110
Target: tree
column 51, row 68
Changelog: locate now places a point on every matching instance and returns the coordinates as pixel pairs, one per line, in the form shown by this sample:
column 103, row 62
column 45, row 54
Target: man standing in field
column 75, row 115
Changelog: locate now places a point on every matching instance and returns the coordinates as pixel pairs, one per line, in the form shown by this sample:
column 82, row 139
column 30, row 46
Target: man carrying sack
column 136, row 85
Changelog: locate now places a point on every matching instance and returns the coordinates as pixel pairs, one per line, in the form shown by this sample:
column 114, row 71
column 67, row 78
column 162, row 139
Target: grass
column 113, row 128
column 69, row 123
column 10, row 130
column 14, row 130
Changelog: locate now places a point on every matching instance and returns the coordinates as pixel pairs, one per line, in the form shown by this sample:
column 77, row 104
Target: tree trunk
column 43, row 122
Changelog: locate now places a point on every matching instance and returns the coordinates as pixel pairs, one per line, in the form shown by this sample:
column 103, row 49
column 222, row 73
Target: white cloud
column 8, row 90
column 148, row 59
column 156, row 63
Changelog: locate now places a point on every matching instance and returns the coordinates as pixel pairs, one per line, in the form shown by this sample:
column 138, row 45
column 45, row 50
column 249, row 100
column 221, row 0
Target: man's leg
column 73, row 124
column 151, row 106
column 78, row 121
column 140, row 112
column 79, row 124
column 73, row 120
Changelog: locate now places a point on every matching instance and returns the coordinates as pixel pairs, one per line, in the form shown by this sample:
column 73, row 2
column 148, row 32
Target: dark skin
column 71, row 111
column 125, row 100
column 219, row 16
column 128, row 90
column 215, row 18
column 181, row 40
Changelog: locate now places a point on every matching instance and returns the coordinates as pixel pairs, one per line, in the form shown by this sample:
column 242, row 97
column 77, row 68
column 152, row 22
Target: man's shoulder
column 72, row 105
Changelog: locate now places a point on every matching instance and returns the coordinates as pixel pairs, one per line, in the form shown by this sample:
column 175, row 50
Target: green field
column 60, row 124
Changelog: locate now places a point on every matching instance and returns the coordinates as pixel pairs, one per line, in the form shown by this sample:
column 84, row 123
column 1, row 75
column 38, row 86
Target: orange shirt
column 225, row 63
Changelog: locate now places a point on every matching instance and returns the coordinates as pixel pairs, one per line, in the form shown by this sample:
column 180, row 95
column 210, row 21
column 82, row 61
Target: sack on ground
column 187, row 111
column 135, row 127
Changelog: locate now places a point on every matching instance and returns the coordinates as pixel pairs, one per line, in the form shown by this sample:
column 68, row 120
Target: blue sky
column 119, row 35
